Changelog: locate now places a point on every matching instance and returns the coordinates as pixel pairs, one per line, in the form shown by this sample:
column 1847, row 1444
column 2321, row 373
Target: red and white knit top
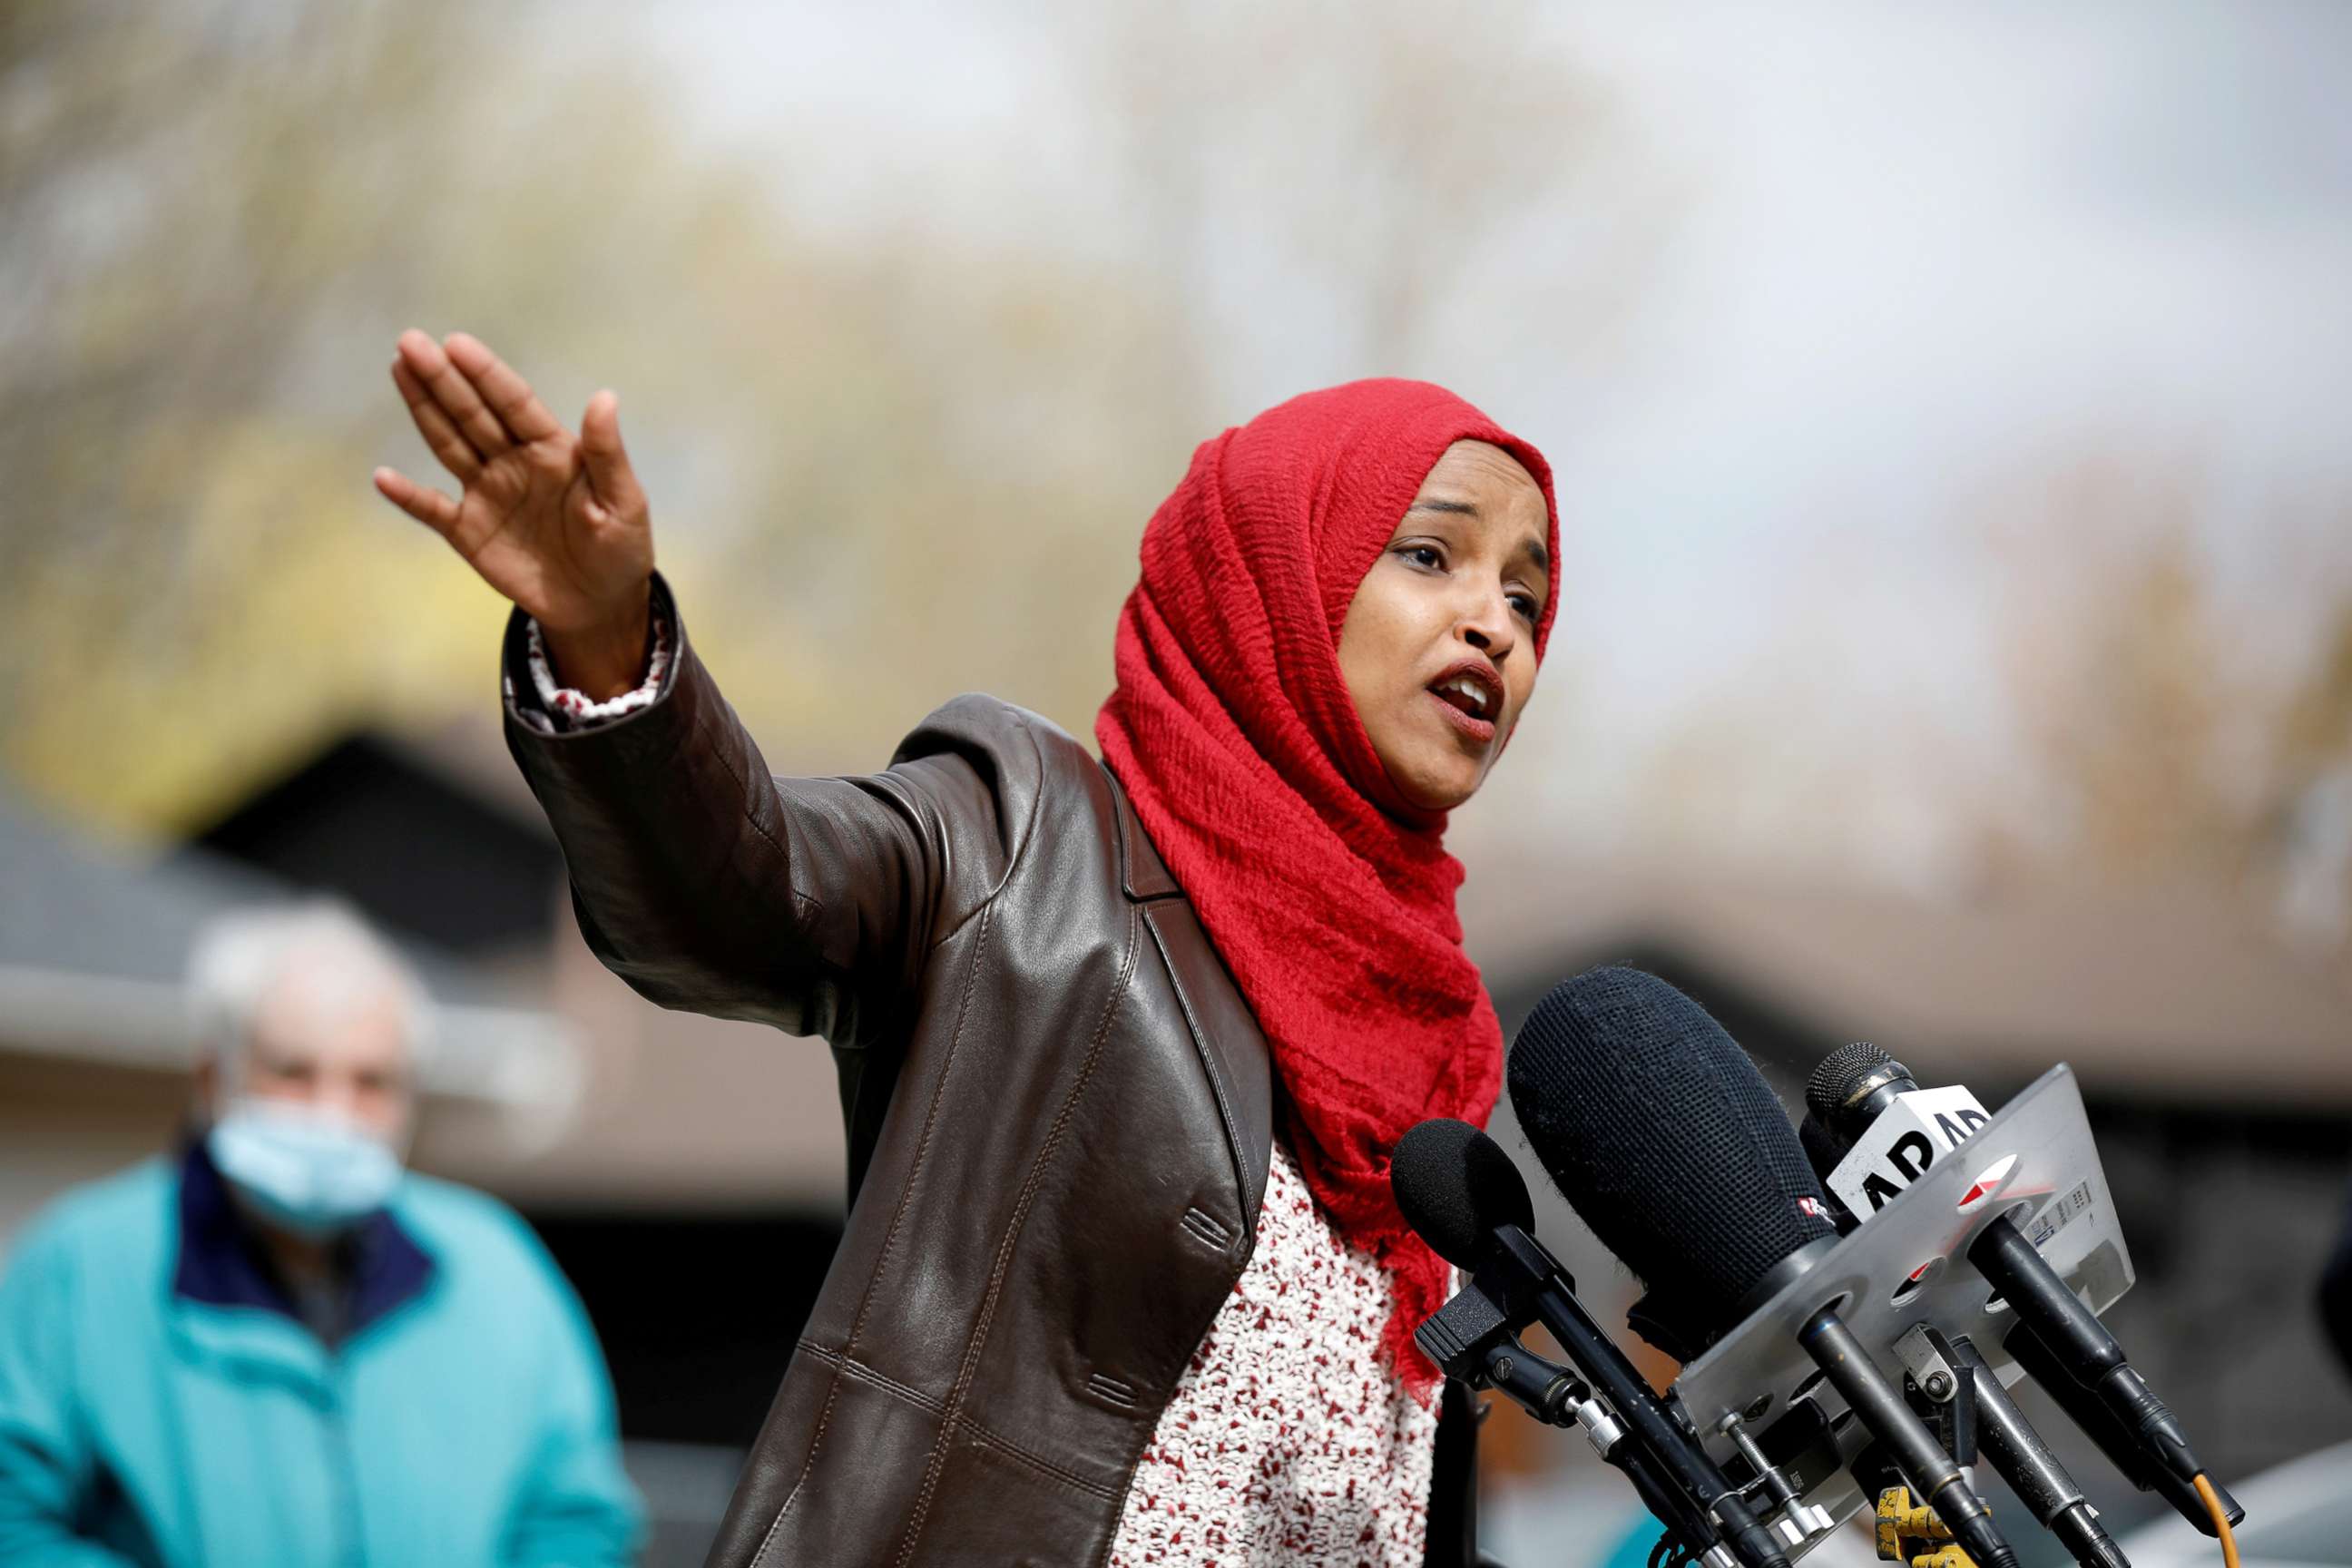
column 1288, row 1441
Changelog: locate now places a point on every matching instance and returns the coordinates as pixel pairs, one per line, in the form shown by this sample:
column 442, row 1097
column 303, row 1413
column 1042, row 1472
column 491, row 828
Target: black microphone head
column 1851, row 1086
column 1667, row 1139
column 1456, row 1186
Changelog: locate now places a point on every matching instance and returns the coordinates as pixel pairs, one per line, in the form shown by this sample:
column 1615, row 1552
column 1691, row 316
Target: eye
column 1427, row 556
column 1527, row 606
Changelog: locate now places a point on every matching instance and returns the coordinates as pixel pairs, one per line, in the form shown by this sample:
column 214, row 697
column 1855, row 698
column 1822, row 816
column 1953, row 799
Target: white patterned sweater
column 1288, row 1441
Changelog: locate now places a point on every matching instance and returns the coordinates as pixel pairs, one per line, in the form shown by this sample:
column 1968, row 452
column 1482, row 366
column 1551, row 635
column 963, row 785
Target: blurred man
column 276, row 1348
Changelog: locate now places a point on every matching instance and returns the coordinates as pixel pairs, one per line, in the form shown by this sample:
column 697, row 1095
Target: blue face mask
column 308, row 1170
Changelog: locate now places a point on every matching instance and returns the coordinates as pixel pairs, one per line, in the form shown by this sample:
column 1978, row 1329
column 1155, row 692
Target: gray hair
column 238, row 957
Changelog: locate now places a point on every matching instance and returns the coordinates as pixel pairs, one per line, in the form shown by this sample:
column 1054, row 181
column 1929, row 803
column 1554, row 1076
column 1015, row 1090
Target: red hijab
column 1233, row 731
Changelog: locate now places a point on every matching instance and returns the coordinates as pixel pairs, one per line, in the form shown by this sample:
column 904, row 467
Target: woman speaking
column 1123, row 1046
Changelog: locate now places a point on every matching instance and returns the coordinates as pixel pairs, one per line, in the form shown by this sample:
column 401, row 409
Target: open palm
column 554, row 521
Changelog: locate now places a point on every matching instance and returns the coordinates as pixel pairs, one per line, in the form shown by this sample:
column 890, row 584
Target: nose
column 1486, row 623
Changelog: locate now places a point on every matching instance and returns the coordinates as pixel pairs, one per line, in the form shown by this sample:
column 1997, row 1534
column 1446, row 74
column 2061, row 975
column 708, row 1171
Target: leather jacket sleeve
column 810, row 904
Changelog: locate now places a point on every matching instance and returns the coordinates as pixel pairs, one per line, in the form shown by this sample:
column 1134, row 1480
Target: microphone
column 1671, row 1146
column 1668, row 1142
column 1871, row 1131
column 1861, row 1100
column 1457, row 1188
column 1461, row 1194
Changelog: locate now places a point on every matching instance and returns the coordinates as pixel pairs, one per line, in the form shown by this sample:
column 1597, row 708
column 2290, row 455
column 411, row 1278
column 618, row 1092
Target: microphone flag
column 1903, row 1144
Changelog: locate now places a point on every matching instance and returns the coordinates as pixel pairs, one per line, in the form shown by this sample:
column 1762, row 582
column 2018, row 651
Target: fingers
column 453, row 393
column 441, row 437
column 426, row 504
column 609, row 474
column 507, row 393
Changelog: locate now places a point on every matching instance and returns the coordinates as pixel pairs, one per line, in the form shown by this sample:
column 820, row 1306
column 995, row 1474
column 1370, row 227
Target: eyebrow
column 1531, row 549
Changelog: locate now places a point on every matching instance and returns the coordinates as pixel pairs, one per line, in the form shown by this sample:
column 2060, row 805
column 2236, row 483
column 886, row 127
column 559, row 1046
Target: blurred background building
column 1947, row 406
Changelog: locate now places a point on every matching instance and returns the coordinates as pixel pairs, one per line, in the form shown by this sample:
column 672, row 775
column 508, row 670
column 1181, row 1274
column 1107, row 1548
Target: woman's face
column 1438, row 648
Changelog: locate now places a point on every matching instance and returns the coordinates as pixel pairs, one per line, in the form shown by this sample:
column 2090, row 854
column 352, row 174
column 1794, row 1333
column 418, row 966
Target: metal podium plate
column 1907, row 1265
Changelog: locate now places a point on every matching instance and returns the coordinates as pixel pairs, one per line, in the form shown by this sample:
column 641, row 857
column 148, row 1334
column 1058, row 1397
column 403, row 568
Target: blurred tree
column 2171, row 704
column 2315, row 735
column 216, row 220
column 195, row 198
column 2313, row 827
column 2124, row 692
column 1426, row 181
column 2166, row 733
column 886, row 466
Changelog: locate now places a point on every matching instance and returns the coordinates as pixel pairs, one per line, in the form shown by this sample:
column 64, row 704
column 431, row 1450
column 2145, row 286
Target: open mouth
column 1470, row 691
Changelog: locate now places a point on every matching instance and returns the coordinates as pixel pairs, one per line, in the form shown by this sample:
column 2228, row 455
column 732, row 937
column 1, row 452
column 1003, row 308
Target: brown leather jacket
column 1060, row 1109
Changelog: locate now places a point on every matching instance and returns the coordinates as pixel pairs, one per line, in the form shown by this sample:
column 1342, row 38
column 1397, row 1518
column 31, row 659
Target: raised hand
column 555, row 522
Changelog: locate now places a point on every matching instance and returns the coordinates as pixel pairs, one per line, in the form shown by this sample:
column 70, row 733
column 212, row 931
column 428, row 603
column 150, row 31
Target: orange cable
column 2221, row 1520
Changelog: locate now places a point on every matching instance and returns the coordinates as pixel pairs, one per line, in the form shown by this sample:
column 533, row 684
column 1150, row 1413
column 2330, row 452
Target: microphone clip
column 1474, row 1339
column 1938, row 1385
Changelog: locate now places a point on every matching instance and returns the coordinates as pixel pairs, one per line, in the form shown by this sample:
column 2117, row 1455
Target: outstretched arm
column 711, row 885
column 699, row 879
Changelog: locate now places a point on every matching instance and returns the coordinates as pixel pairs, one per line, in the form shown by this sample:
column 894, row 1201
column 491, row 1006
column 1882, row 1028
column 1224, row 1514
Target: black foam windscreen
column 1666, row 1138
column 1456, row 1185
column 1844, row 1071
column 1823, row 1149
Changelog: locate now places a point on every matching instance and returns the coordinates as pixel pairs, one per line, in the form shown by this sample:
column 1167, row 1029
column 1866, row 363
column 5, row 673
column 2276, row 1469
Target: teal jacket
column 161, row 1403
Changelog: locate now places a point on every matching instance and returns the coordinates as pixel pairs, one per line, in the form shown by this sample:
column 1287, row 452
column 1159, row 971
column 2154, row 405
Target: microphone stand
column 1474, row 1337
column 1556, row 1397
column 1933, row 1474
column 2023, row 1459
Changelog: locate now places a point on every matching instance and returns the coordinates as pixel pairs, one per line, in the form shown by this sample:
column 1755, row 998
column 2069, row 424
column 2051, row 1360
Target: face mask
column 306, row 1169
